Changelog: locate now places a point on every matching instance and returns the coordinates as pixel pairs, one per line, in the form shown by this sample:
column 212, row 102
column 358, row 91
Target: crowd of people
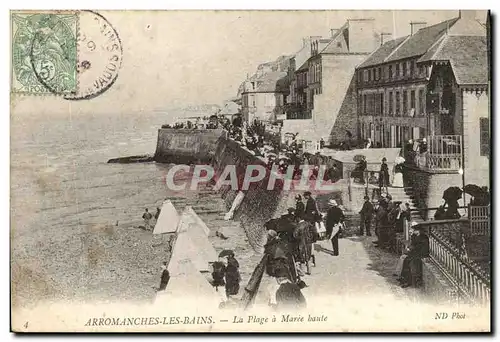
column 289, row 251
column 389, row 218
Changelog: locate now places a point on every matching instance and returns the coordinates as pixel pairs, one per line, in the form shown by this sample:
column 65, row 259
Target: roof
column 304, row 66
column 379, row 56
column 269, row 83
column 337, row 38
column 467, row 56
column 421, row 41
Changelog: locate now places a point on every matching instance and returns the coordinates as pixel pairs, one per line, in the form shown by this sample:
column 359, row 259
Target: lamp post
column 461, row 172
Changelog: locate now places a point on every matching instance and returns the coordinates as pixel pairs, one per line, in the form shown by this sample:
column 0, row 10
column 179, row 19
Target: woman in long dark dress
column 233, row 277
column 383, row 179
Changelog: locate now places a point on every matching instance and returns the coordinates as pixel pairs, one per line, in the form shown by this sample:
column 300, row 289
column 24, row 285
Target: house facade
column 324, row 86
column 396, row 100
column 263, row 97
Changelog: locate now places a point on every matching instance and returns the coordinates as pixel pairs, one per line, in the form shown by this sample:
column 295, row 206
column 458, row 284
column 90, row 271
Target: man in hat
column 366, row 217
column 411, row 274
column 311, row 211
column 334, row 217
column 299, row 207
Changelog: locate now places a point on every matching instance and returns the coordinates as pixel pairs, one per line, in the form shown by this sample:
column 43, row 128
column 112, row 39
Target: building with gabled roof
column 329, row 107
column 432, row 84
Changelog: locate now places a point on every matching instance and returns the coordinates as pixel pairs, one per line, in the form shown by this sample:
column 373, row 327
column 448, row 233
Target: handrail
column 456, row 253
column 433, row 222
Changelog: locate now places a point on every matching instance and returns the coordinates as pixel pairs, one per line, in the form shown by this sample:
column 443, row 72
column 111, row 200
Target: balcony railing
column 479, row 218
column 444, row 152
column 471, row 281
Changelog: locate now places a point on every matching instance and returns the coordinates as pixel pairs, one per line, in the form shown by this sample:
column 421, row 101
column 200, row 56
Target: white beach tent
column 187, row 284
column 192, row 235
column 168, row 220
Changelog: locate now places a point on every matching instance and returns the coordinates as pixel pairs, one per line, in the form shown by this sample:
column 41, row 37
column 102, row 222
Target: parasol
column 473, row 190
column 359, row 157
column 399, row 160
column 226, row 252
column 452, row 194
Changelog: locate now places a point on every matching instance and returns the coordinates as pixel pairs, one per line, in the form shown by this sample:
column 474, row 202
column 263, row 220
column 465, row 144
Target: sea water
column 75, row 218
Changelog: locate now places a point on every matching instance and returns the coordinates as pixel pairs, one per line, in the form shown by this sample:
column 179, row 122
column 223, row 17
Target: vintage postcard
column 250, row 171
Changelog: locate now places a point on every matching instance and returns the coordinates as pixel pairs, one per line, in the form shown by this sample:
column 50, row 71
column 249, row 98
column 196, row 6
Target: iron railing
column 479, row 218
column 444, row 152
column 472, row 283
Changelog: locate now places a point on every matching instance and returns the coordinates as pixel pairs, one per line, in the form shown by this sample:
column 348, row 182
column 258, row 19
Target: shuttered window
column 484, row 128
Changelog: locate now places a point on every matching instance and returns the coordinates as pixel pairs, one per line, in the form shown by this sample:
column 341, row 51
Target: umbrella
column 226, row 252
column 452, row 194
column 358, row 157
column 473, row 190
column 399, row 160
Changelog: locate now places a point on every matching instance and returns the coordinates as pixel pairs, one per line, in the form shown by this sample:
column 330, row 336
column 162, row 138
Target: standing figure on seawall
column 383, row 179
column 398, row 173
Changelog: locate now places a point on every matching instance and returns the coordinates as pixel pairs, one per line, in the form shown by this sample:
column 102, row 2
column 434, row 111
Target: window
column 379, row 73
column 252, row 100
column 413, row 68
column 365, row 75
column 484, row 136
column 397, row 70
column 391, row 105
column 405, row 103
column 375, row 74
column 403, row 65
column 364, row 104
column 421, row 101
column 398, row 103
column 381, row 99
column 412, row 99
column 390, row 72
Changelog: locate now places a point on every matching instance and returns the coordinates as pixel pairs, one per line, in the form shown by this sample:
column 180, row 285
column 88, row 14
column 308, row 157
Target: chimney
column 383, row 38
column 361, row 35
column 467, row 14
column 416, row 25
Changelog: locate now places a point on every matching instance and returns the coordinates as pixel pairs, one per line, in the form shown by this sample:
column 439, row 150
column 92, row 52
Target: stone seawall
column 186, row 146
column 259, row 204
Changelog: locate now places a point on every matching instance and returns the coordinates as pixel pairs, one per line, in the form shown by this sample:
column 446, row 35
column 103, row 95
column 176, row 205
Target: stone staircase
column 406, row 195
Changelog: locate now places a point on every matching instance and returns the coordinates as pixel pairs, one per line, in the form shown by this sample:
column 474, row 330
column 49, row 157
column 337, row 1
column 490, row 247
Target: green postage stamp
column 44, row 52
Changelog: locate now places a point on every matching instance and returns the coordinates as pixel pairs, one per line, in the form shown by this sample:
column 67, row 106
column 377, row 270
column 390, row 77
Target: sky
column 181, row 58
